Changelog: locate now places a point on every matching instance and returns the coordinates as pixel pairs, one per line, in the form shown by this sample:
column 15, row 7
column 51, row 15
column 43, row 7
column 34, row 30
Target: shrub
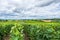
column 17, row 32
column 5, row 30
column 42, row 31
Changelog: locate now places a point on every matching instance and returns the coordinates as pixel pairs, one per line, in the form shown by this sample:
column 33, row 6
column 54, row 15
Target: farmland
column 29, row 30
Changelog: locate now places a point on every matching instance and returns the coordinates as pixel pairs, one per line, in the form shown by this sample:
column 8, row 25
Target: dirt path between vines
column 26, row 36
column 6, row 37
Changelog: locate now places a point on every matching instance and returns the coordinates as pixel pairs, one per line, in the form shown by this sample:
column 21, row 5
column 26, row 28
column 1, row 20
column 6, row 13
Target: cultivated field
column 29, row 30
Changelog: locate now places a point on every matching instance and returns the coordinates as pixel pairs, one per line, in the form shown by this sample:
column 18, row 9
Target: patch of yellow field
column 46, row 20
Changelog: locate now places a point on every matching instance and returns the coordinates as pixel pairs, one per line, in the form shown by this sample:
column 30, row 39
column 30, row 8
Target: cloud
column 29, row 9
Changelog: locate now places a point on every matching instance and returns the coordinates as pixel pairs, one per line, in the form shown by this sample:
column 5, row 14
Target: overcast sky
column 29, row 9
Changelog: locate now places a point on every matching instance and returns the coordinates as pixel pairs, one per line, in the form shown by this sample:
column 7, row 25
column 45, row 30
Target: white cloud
column 29, row 9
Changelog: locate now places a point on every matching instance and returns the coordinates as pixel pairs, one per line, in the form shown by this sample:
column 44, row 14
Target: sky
column 29, row 9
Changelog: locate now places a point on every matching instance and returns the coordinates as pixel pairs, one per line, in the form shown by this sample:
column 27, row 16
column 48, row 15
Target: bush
column 5, row 30
column 42, row 31
column 17, row 32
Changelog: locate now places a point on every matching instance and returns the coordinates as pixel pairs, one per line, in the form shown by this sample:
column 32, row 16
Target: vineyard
column 29, row 30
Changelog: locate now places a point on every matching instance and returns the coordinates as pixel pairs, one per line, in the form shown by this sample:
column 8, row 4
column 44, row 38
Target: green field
column 29, row 30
